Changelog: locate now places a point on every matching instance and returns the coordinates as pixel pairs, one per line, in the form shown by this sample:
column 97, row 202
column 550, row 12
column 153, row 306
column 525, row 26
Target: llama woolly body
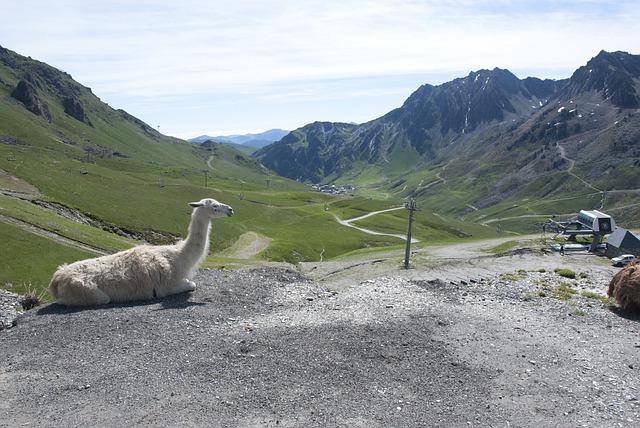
column 140, row 273
column 625, row 287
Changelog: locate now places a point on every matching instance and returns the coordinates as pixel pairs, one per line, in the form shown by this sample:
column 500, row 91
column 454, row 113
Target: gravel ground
column 8, row 304
column 463, row 339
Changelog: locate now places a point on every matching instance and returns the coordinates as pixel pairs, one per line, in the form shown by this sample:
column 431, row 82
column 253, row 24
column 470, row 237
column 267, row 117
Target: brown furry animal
column 625, row 288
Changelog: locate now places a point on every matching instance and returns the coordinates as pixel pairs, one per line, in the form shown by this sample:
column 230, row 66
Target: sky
column 224, row 67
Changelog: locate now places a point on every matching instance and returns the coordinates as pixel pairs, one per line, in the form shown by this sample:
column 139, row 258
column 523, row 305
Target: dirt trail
column 372, row 232
column 460, row 263
column 248, row 245
column 50, row 235
column 12, row 186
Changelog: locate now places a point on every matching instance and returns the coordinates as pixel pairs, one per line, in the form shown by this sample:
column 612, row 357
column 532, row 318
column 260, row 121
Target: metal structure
column 592, row 222
column 411, row 207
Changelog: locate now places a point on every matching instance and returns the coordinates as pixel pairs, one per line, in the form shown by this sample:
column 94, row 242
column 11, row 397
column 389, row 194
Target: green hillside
column 491, row 148
column 79, row 179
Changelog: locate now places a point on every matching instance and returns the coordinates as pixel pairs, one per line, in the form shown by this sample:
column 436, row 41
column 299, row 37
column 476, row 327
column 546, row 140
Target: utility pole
column 411, row 207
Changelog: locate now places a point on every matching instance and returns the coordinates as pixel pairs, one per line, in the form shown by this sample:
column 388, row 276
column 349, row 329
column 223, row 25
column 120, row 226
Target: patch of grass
column 579, row 312
column 27, row 261
column 566, row 273
column 32, row 299
column 596, row 296
column 48, row 220
column 564, row 291
column 502, row 248
column 514, row 276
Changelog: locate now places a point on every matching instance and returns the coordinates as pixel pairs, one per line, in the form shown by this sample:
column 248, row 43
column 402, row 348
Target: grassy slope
column 562, row 193
column 124, row 174
column 28, row 260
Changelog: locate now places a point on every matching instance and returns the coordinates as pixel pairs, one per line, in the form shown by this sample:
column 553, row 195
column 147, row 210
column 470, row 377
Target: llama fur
column 625, row 288
column 141, row 273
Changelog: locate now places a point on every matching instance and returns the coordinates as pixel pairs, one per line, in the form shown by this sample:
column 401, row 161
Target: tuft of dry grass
column 30, row 301
column 32, row 298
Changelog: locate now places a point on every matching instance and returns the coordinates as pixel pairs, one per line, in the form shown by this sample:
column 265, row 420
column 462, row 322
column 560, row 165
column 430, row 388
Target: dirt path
column 248, row 245
column 372, row 232
column 460, row 263
column 12, row 186
column 572, row 162
column 50, row 235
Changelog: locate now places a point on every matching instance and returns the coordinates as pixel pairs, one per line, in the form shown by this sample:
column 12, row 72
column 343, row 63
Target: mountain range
column 79, row 178
column 253, row 140
column 481, row 154
column 490, row 139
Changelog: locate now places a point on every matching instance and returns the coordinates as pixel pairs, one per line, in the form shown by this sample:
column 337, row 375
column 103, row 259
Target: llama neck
column 196, row 246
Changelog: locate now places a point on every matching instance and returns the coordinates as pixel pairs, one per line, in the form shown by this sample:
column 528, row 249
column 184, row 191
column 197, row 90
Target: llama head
column 213, row 208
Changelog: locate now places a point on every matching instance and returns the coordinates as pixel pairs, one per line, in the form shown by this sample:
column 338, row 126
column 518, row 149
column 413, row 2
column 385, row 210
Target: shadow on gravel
column 176, row 301
column 631, row 316
column 522, row 251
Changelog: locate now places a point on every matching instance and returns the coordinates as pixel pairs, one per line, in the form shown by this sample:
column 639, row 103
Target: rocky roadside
column 12, row 305
column 8, row 304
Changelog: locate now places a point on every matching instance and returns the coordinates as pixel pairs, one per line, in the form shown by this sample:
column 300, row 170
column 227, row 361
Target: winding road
column 372, row 232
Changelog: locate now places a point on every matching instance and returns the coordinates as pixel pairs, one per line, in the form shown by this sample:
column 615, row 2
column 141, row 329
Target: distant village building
column 621, row 241
column 332, row 189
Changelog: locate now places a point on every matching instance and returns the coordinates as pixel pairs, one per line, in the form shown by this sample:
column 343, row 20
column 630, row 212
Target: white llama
column 140, row 273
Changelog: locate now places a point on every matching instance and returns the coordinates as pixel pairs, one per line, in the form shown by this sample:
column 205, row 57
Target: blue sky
column 221, row 67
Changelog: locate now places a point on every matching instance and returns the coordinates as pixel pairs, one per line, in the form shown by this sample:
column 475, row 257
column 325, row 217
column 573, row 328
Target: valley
column 482, row 161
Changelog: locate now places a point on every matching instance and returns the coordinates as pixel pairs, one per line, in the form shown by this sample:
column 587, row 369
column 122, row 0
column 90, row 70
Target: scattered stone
column 8, row 313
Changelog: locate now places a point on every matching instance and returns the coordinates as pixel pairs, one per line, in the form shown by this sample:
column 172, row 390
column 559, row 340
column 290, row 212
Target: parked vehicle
column 623, row 260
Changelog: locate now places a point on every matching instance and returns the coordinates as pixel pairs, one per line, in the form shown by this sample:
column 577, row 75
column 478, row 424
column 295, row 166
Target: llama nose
column 230, row 211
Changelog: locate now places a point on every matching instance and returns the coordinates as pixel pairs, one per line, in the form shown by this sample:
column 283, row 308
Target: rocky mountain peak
column 467, row 117
column 28, row 95
column 39, row 82
column 614, row 74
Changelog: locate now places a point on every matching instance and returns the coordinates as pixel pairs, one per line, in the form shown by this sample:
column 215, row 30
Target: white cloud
column 137, row 52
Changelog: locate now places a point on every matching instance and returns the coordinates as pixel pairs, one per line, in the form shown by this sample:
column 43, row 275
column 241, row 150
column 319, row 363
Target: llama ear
column 195, row 204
